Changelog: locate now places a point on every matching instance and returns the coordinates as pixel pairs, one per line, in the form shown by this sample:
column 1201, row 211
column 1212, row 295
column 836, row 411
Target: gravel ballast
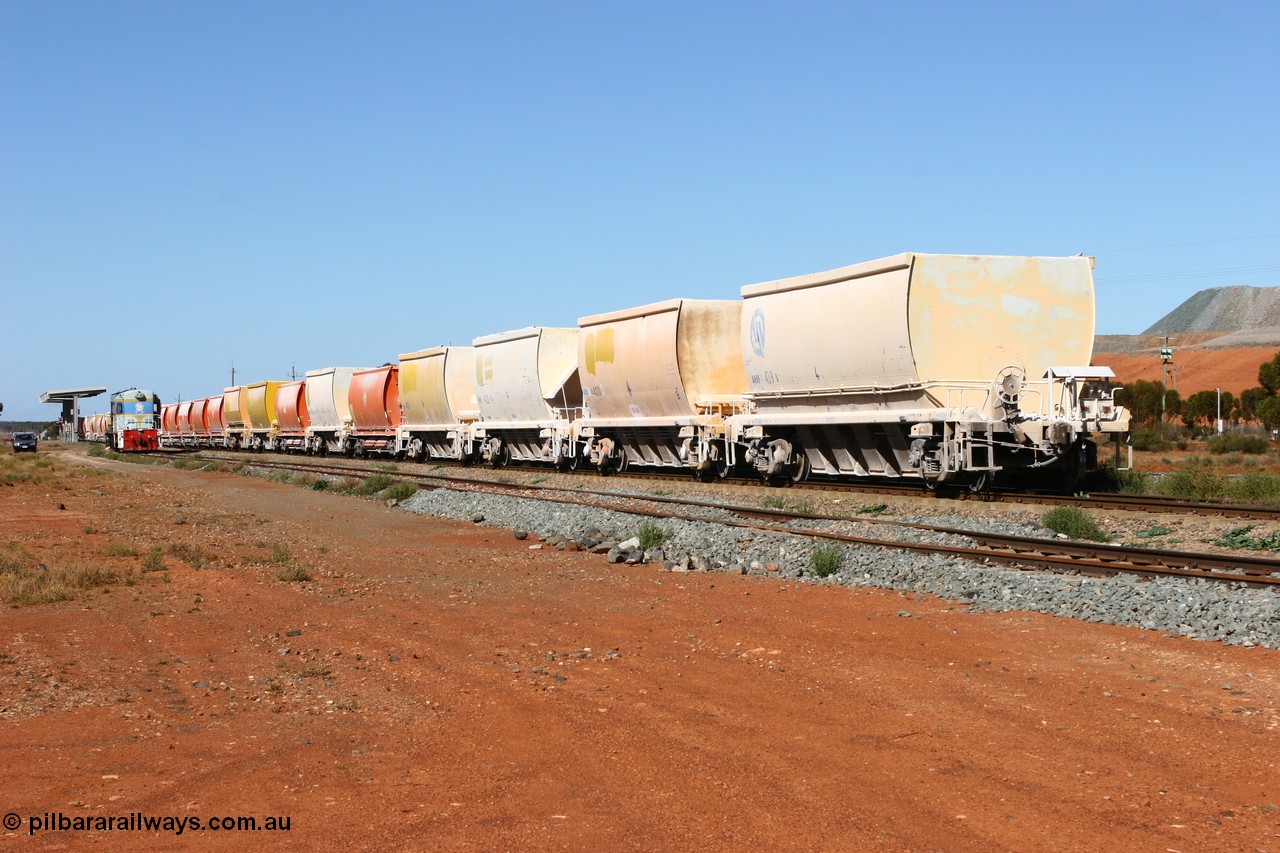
column 1197, row 609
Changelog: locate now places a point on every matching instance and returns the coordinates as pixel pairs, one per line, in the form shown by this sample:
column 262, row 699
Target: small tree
column 1249, row 400
column 1142, row 399
column 1268, row 411
column 1269, row 374
column 1172, row 403
column 1199, row 407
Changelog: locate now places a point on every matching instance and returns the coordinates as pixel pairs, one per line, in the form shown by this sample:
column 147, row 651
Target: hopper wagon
column 186, row 432
column 528, row 394
column 942, row 368
column 94, row 427
column 437, row 403
column 658, row 383
column 292, row 419
column 234, row 425
column 199, row 421
column 169, row 435
column 328, row 409
column 374, row 396
column 258, row 401
column 215, row 419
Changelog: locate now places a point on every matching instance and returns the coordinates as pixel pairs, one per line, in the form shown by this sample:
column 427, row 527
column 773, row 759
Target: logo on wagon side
column 757, row 332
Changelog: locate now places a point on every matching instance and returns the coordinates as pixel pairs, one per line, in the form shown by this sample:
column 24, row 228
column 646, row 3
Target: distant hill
column 1254, row 310
column 8, row 428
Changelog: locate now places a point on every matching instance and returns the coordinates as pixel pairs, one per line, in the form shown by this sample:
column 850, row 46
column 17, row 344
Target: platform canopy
column 67, row 398
column 68, row 394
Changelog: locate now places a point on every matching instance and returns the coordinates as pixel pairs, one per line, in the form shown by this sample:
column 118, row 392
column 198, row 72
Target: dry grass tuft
column 25, row 581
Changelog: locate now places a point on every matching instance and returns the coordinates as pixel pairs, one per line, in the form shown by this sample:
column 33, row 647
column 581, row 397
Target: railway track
column 1099, row 501
column 987, row 547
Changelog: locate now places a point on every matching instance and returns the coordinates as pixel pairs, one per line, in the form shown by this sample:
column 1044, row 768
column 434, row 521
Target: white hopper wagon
column 947, row 368
column 528, row 394
column 329, row 409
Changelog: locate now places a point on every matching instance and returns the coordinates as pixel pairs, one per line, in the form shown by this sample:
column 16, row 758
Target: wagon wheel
column 568, row 460
column 615, row 462
column 801, row 471
column 722, row 468
column 718, row 469
column 501, row 457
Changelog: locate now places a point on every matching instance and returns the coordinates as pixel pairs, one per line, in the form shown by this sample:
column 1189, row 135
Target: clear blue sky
column 184, row 185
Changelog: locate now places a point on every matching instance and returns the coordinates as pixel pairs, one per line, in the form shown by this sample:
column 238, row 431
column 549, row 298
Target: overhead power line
column 1178, row 245
column 1180, row 275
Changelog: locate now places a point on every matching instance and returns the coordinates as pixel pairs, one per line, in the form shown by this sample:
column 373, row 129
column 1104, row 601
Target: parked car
column 24, row 441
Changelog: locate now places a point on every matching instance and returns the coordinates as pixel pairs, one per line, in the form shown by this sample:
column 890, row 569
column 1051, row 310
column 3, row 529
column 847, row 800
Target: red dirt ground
column 444, row 686
column 1231, row 370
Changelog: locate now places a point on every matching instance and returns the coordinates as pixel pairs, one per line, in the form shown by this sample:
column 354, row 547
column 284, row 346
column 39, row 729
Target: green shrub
column 1074, row 522
column 319, row 486
column 1236, row 443
column 373, row 484
column 652, row 535
column 398, row 491
column 824, row 560
column 1263, row 488
column 1147, row 440
column 1196, row 481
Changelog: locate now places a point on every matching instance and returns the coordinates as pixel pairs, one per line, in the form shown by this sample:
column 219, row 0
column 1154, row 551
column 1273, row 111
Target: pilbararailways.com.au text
column 139, row 822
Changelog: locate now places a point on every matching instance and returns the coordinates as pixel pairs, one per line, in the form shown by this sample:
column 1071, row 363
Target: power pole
column 233, row 374
column 1166, row 364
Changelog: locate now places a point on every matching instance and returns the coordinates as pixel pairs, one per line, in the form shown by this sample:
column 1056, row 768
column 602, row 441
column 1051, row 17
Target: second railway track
column 987, row 547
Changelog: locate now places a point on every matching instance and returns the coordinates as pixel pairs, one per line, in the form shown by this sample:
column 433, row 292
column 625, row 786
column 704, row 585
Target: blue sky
column 289, row 185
